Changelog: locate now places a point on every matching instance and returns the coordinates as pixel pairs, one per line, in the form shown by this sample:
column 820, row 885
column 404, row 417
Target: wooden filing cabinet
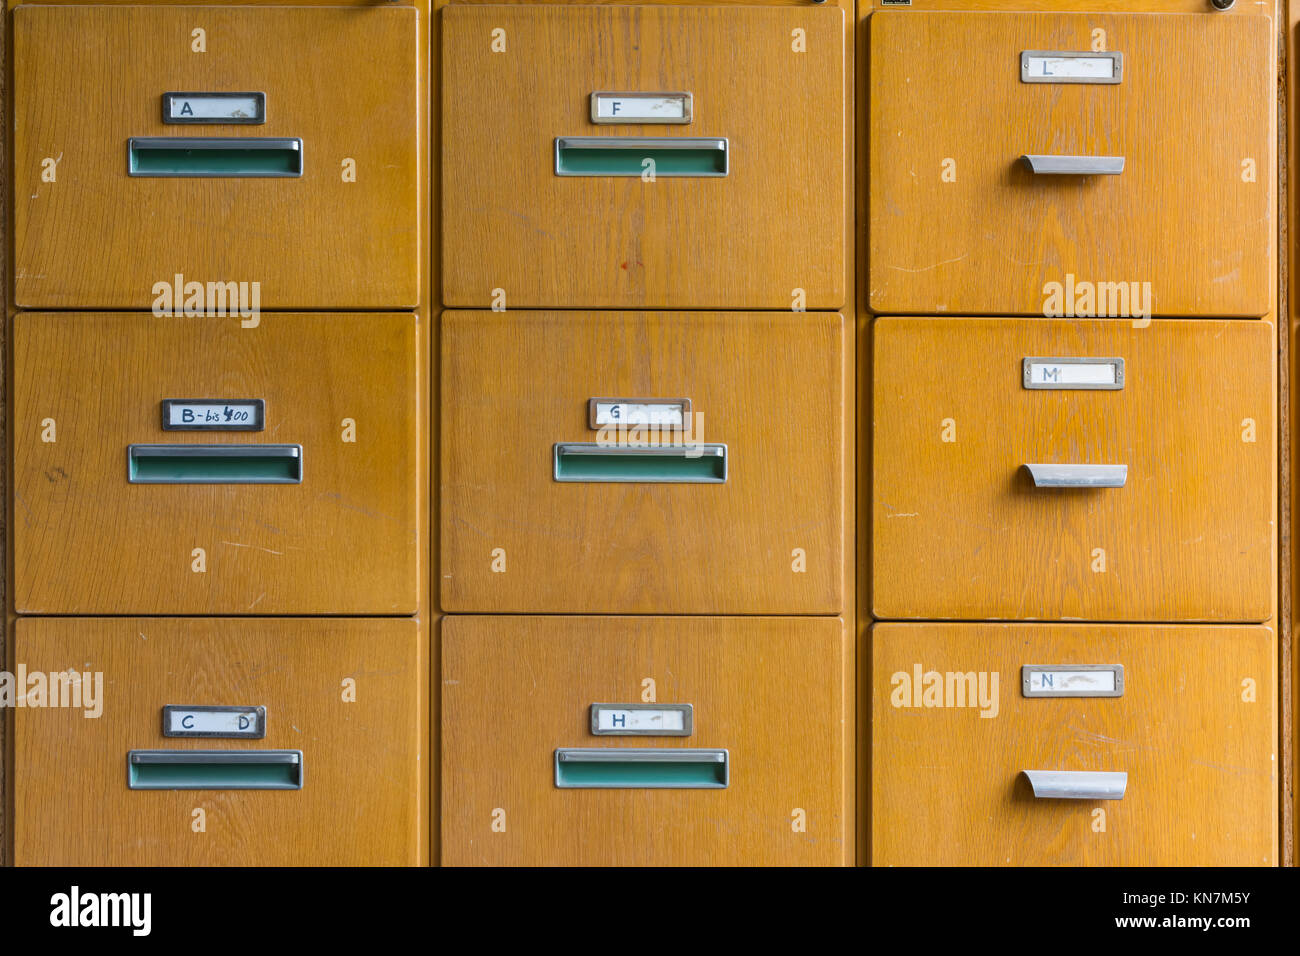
column 544, row 207
column 346, row 696
column 772, row 694
column 1194, row 732
column 89, row 84
column 106, row 519
column 545, row 511
column 970, row 520
column 961, row 223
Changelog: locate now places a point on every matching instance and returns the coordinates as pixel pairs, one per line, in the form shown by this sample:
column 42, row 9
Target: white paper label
column 649, row 108
column 212, row 415
column 197, row 106
column 1047, row 67
column 642, row 720
column 1065, row 374
column 226, row 723
column 1069, row 681
column 625, row 413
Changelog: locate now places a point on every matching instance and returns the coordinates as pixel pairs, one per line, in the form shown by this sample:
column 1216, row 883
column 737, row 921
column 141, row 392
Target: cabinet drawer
column 757, row 778
column 126, row 507
column 984, row 503
column 545, row 509
column 337, row 778
column 549, row 203
column 320, row 203
column 961, row 223
column 1178, row 769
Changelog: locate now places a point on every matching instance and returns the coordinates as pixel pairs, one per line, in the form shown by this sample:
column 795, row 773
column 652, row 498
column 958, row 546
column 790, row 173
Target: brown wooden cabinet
column 347, row 695
column 953, row 734
column 544, row 510
column 113, row 509
column 969, row 521
column 542, row 207
column 342, row 233
column 960, row 223
column 772, row 694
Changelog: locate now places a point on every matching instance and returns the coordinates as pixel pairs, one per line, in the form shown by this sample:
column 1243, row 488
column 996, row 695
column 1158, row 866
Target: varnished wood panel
column 87, row 78
column 947, row 783
column 1289, row 95
column 769, row 690
column 1194, row 105
column 961, row 532
column 1200, row 7
column 773, row 225
column 344, row 541
column 769, row 387
column 362, row 801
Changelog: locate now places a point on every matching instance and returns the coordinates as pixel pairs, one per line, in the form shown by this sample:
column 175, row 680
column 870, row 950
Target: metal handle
column 592, row 461
column 1078, row 784
column 1074, row 165
column 214, row 464
column 214, row 156
column 642, row 768
column 626, row 155
column 214, row 769
column 1078, row 476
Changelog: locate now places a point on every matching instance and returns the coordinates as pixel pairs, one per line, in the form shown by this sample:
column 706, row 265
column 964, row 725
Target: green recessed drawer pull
column 626, row 155
column 213, row 156
column 592, row 461
column 628, row 768
column 214, row 464
column 214, row 769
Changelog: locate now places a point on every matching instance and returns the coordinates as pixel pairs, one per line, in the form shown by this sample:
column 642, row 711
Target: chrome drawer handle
column 1078, row 784
column 1041, row 165
column 1078, row 476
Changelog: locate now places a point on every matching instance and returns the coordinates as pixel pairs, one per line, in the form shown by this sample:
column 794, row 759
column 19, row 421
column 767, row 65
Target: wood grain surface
column 1202, row 7
column 428, row 257
column 87, row 78
column 769, row 387
column 769, row 690
column 947, row 784
column 1289, row 306
column 1194, row 104
column 960, row 532
column 362, row 800
column 774, row 224
column 344, row 541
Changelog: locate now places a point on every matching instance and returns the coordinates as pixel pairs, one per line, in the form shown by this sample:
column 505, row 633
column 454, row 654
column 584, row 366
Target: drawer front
column 959, row 222
column 543, row 511
column 118, row 515
column 953, row 735
column 347, row 696
column 963, row 528
column 90, row 84
column 532, row 222
column 768, row 693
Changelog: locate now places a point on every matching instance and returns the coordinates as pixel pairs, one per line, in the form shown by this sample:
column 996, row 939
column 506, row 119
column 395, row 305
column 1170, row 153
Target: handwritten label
column 214, row 108
column 1038, row 66
column 665, row 413
column 672, row 108
column 245, row 722
column 183, row 414
column 643, row 720
column 1095, row 680
column 1104, row 373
